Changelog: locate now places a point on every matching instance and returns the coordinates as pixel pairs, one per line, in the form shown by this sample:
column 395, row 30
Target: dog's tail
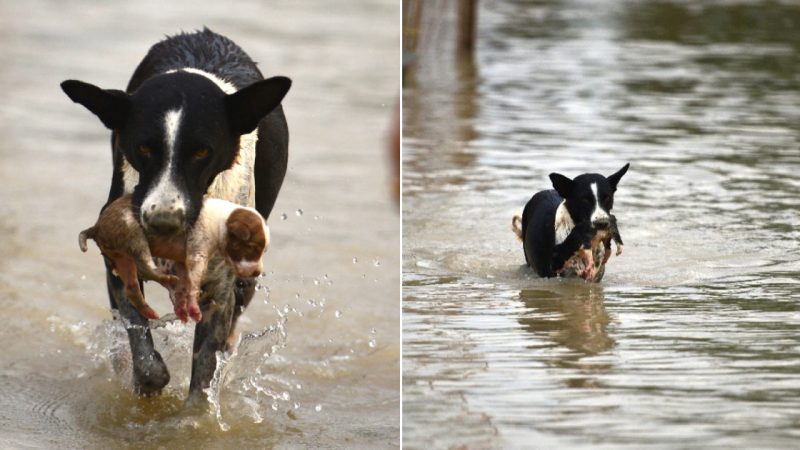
column 85, row 234
column 516, row 225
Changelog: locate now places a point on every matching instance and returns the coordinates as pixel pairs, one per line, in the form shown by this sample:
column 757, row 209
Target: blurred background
column 692, row 338
column 319, row 362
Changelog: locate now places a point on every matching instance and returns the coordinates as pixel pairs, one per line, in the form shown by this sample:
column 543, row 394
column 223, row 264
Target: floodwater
column 692, row 340
column 318, row 365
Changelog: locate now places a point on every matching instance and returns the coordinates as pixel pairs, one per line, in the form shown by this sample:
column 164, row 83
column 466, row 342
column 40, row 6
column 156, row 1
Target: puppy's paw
column 181, row 312
column 195, row 313
column 619, row 249
column 149, row 312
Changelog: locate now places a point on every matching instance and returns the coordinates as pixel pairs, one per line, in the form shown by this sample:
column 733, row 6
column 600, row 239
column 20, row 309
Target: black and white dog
column 196, row 118
column 576, row 215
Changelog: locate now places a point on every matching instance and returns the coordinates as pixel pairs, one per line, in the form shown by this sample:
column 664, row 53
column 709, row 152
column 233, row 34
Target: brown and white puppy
column 238, row 233
column 122, row 240
column 584, row 261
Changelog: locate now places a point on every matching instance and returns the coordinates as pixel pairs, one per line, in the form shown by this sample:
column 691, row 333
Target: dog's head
column 589, row 197
column 178, row 130
column 246, row 241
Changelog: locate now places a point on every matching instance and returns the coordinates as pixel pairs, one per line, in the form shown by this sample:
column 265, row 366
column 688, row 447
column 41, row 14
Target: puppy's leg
column 180, row 297
column 150, row 374
column 126, row 268
column 614, row 230
column 588, row 263
column 580, row 238
column 149, row 271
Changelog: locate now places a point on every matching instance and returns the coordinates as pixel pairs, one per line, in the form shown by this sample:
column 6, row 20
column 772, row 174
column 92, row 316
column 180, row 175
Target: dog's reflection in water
column 573, row 316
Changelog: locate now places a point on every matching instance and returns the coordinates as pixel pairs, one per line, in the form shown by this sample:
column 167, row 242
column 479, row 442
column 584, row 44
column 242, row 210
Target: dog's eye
column 145, row 151
column 202, row 153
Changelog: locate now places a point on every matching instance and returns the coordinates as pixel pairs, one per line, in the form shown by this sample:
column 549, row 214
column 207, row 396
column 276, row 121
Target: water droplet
column 298, row 386
column 318, row 408
column 316, row 282
column 355, row 260
column 376, row 262
column 299, row 212
column 372, row 343
column 274, row 406
column 296, row 406
column 337, row 313
column 284, row 216
column 312, row 302
column 83, row 277
column 373, row 331
column 316, row 217
column 285, row 396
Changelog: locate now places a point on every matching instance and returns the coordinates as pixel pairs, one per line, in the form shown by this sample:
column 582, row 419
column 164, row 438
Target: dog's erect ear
column 248, row 106
column 110, row 105
column 562, row 184
column 613, row 180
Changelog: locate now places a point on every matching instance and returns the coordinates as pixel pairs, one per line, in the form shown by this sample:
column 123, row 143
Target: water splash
column 239, row 373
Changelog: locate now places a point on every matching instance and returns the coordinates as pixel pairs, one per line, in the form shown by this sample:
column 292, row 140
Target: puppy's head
column 246, row 241
column 589, row 197
column 178, row 130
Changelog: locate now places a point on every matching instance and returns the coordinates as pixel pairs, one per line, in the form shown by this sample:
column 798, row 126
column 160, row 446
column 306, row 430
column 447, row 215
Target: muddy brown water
column 319, row 363
column 691, row 340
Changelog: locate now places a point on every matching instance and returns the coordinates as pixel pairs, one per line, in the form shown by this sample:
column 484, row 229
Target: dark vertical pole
column 467, row 15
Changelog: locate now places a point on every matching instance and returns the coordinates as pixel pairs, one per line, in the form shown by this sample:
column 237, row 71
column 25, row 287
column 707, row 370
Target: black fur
column 211, row 120
column 538, row 219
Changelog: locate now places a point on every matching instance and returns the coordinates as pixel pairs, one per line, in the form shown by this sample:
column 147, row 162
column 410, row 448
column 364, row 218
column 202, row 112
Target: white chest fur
column 563, row 223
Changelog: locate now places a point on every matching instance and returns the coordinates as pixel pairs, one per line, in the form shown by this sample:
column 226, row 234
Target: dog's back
column 204, row 50
column 538, row 230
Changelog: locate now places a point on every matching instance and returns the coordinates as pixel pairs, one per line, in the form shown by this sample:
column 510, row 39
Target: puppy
column 562, row 228
column 122, row 240
column 581, row 263
column 238, row 233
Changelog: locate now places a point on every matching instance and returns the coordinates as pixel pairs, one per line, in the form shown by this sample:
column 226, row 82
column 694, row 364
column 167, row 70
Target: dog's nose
column 164, row 223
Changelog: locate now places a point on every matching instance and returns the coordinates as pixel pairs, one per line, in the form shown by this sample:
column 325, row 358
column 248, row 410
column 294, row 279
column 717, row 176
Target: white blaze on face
column 599, row 214
column 164, row 196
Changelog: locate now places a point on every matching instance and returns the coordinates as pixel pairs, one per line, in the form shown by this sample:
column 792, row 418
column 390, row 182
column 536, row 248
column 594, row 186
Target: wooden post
column 466, row 16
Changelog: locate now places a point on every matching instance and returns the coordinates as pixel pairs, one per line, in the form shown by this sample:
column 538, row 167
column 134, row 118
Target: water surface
column 692, row 339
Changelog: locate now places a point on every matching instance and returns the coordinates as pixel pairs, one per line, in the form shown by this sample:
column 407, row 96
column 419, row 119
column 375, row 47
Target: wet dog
column 197, row 118
column 569, row 229
column 239, row 234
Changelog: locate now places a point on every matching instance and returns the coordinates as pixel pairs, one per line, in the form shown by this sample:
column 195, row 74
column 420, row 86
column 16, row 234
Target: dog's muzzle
column 164, row 222
column 602, row 223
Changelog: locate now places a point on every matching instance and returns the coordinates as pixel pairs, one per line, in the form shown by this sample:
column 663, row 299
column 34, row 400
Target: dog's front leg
column 579, row 238
column 150, row 374
column 217, row 302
